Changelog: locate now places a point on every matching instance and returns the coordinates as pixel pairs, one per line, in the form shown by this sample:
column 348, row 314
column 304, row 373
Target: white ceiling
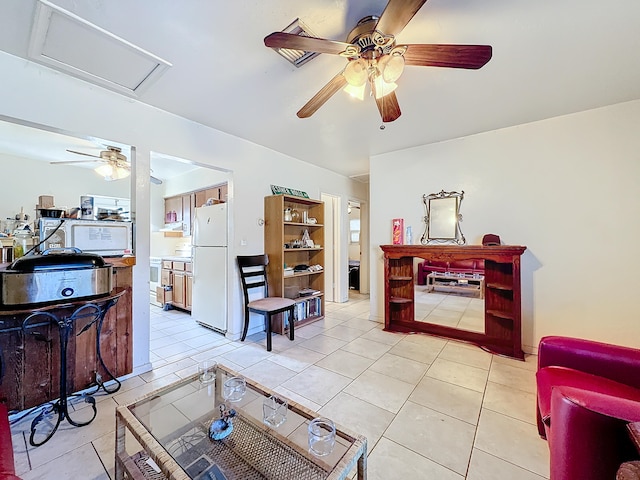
column 549, row 58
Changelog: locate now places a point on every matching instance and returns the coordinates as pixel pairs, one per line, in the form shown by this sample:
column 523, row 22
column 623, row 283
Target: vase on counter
column 20, row 243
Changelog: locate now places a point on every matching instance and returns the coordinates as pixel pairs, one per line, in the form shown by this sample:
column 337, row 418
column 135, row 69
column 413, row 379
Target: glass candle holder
column 274, row 411
column 322, row 436
column 234, row 389
column 207, row 371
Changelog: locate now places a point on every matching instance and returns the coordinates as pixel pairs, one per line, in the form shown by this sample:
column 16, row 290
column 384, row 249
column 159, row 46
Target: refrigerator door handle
column 194, row 268
column 195, row 230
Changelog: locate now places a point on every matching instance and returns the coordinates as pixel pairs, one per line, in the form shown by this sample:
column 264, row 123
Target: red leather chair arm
column 588, row 438
column 7, row 467
column 615, row 362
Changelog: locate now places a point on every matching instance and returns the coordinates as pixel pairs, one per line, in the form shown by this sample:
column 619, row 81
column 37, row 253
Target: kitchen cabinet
column 178, row 275
column 173, row 209
column 179, row 290
column 179, row 209
column 187, row 209
column 188, row 292
column 165, row 275
column 216, row 192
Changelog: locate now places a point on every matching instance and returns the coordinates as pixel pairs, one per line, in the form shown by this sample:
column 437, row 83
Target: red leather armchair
column 587, row 392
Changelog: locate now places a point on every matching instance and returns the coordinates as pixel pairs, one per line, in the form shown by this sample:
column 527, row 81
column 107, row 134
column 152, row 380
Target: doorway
column 355, row 247
column 187, row 187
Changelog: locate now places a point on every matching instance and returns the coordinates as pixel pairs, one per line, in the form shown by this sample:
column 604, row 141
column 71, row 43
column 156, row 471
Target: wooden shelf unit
column 277, row 233
column 502, row 301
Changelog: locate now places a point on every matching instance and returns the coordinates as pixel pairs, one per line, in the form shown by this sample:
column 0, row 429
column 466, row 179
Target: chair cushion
column 270, row 304
column 549, row 377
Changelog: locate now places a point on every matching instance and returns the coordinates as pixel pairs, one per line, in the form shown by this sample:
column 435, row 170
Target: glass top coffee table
column 172, row 425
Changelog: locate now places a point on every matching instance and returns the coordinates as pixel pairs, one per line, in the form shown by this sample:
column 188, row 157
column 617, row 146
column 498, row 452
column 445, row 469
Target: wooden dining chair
column 253, row 273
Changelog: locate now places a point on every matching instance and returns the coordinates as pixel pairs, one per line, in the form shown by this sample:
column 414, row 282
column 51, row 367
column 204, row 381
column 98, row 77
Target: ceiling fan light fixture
column 356, row 92
column 111, row 172
column 382, row 88
column 391, row 67
column 356, row 72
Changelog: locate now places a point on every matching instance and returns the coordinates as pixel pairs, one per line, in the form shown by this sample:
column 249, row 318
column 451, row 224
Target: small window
column 354, row 230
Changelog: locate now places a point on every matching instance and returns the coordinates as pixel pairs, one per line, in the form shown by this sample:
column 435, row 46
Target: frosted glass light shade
column 109, row 172
column 391, row 67
column 356, row 72
column 383, row 88
column 356, row 92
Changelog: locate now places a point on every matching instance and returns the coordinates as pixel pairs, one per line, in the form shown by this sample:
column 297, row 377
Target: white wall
column 566, row 188
column 37, row 94
column 195, row 180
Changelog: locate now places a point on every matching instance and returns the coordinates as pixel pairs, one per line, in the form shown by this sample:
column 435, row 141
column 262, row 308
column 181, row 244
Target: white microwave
column 102, row 237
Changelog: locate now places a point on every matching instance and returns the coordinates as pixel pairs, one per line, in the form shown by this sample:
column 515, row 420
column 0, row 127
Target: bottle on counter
column 21, row 242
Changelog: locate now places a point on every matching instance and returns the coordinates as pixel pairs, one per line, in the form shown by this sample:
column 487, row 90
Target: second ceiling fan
column 375, row 59
column 115, row 165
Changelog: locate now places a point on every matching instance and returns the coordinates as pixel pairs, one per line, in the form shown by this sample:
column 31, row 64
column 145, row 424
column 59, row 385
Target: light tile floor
column 429, row 407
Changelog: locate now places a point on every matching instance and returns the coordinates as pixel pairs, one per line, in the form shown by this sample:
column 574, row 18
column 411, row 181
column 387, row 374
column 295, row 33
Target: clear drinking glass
column 274, row 411
column 322, row 436
column 234, row 389
column 207, row 371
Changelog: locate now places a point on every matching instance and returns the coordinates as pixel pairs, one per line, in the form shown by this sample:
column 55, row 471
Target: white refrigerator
column 209, row 241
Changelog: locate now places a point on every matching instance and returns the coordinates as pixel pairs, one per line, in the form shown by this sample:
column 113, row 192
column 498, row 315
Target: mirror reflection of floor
column 456, row 310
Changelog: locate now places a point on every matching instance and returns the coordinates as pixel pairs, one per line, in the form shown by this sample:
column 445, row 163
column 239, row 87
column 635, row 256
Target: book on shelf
column 305, row 292
column 307, row 308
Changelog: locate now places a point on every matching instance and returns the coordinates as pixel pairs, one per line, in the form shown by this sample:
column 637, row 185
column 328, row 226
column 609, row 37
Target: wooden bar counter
column 30, row 359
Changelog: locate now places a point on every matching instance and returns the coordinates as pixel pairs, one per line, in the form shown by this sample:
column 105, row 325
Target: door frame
column 333, row 251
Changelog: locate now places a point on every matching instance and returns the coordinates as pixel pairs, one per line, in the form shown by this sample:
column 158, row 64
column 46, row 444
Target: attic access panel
column 66, row 42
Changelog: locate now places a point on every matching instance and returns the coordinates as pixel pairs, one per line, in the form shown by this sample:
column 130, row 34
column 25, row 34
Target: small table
column 171, row 425
column 456, row 282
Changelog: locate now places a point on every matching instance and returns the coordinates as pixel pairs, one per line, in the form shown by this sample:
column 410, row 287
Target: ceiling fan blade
column 336, row 83
column 397, row 14
column 388, row 107
column 307, row 44
column 82, row 153
column 71, row 162
column 454, row 56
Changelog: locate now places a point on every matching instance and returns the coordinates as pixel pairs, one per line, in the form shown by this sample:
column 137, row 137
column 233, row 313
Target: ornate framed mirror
column 442, row 219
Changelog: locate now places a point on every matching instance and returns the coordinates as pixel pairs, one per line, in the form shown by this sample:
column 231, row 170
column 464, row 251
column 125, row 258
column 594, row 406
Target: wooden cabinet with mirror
column 500, row 331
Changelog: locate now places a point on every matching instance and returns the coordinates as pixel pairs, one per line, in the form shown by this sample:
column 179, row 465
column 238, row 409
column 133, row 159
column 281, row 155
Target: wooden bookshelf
column 279, row 236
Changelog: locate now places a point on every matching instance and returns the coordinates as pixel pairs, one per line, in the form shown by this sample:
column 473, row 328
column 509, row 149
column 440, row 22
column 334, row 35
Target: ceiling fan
column 376, row 59
column 115, row 165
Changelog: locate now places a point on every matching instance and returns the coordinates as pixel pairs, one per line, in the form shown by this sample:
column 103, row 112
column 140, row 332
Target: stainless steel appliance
column 209, row 297
column 55, row 277
column 105, row 238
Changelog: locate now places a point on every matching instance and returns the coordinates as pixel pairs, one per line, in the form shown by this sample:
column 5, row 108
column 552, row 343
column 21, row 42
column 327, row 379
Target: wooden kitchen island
column 30, row 358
